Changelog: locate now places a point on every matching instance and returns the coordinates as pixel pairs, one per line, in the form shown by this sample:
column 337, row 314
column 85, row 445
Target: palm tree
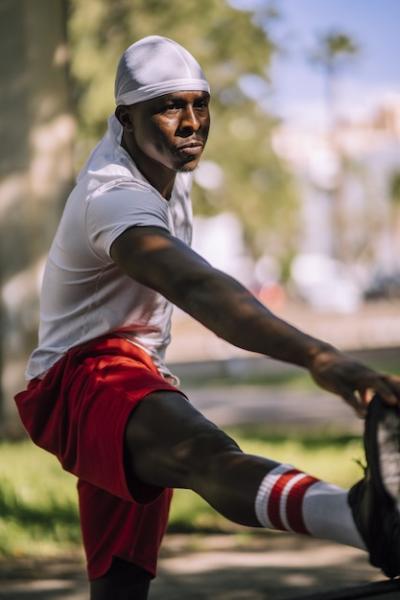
column 333, row 52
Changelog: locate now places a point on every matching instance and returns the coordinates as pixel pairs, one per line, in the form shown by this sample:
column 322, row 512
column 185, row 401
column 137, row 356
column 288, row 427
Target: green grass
column 38, row 511
column 37, row 502
column 288, row 379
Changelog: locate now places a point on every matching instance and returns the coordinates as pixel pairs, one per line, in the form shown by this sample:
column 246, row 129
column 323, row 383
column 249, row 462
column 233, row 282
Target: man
column 100, row 396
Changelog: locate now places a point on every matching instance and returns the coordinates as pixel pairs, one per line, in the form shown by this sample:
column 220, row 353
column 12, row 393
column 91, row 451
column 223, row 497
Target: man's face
column 172, row 129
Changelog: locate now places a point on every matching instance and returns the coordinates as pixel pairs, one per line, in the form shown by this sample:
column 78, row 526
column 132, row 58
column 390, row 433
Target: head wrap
column 155, row 66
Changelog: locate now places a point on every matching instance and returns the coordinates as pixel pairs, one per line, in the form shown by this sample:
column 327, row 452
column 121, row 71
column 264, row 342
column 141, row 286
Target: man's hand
column 352, row 380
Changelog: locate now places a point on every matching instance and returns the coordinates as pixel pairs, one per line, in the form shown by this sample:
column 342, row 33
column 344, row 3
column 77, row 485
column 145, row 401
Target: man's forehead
column 182, row 95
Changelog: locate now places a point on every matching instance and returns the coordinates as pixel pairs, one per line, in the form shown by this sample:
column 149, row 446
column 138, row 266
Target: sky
column 297, row 86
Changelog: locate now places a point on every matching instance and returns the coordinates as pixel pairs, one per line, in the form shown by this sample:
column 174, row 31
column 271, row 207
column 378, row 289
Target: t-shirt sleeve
column 111, row 213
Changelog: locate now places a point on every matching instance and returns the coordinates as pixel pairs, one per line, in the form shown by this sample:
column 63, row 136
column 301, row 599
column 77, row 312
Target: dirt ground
column 213, row 567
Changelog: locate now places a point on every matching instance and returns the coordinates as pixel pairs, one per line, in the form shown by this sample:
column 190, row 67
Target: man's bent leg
column 113, row 527
column 123, row 581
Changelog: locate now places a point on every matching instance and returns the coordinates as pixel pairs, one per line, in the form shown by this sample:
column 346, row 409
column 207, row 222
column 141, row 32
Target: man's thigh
column 167, row 440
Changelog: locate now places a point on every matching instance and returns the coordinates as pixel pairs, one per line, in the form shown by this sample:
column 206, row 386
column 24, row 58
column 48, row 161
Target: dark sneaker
column 375, row 499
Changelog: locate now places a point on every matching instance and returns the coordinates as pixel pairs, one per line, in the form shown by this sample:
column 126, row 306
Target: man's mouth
column 190, row 149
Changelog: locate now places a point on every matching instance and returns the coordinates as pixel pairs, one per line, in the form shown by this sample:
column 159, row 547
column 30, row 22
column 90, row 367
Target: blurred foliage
column 229, row 45
column 333, row 50
column 395, row 188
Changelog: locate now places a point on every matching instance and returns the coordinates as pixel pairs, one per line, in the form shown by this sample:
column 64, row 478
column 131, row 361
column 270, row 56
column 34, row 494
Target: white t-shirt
column 84, row 294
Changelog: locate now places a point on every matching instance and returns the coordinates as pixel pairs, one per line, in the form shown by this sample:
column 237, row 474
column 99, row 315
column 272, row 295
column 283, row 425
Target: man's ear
column 124, row 117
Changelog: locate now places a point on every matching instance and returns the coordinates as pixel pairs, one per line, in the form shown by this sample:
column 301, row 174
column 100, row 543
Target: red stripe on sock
column 275, row 496
column 294, row 504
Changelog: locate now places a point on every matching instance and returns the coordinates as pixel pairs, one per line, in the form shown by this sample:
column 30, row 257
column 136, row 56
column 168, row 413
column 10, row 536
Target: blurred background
column 298, row 196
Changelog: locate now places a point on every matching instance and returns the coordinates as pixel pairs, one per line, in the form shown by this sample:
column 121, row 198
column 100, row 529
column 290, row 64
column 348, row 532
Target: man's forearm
column 229, row 310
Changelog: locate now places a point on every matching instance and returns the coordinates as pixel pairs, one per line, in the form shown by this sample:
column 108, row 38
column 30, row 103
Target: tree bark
column 36, row 130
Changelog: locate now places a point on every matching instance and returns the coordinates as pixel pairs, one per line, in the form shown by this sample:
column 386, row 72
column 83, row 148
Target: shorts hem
column 94, row 574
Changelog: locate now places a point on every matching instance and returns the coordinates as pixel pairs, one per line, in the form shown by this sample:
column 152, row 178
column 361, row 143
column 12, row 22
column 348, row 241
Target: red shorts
column 79, row 412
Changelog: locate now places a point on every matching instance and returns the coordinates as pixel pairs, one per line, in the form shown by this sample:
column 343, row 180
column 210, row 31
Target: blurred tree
column 36, row 172
column 235, row 53
column 333, row 52
column 394, row 195
column 395, row 188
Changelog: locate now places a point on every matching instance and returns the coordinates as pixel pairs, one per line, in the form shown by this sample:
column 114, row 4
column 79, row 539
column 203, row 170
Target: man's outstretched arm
column 160, row 261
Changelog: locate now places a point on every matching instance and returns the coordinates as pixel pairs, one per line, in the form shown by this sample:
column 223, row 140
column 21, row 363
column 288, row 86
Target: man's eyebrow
column 167, row 98
column 176, row 97
column 178, row 94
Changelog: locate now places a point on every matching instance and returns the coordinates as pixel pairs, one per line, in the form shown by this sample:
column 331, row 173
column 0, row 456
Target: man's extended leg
column 169, row 443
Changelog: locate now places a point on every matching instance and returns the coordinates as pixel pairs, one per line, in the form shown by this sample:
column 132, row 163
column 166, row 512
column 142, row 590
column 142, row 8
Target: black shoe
column 374, row 499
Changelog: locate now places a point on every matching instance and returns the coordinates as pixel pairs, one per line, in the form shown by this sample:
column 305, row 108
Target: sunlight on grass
column 37, row 502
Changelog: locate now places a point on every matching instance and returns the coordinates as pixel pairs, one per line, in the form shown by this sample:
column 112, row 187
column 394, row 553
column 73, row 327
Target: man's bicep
column 155, row 258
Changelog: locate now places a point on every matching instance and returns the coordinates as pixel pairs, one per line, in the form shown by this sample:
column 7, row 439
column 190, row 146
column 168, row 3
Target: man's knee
column 170, row 443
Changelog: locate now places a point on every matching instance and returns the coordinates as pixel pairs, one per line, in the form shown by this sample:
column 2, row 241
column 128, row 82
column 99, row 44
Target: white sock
column 291, row 500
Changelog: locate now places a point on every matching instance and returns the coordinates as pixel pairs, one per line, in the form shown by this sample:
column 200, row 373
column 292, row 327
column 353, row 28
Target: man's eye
column 171, row 106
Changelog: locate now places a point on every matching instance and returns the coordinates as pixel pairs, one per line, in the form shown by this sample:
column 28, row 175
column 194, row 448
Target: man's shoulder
column 122, row 184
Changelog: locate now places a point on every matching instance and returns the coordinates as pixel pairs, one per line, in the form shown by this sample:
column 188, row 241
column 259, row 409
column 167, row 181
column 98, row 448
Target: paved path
column 218, row 567
column 274, row 408
column 374, row 325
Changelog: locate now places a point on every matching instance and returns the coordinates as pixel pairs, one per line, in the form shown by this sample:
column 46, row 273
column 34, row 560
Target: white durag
column 155, row 66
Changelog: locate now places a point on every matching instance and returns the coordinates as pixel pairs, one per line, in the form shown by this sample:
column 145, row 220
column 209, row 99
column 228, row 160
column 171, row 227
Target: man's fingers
column 394, row 384
column 386, row 392
column 353, row 399
column 367, row 395
column 387, row 388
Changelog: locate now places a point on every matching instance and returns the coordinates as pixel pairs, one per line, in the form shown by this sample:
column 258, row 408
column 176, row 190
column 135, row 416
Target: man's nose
column 190, row 121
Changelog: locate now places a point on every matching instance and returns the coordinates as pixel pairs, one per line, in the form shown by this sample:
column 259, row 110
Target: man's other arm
column 154, row 258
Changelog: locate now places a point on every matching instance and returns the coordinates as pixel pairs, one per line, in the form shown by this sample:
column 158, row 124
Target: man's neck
column 160, row 177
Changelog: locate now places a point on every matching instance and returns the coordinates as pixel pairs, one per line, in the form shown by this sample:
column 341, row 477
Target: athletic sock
column 290, row 500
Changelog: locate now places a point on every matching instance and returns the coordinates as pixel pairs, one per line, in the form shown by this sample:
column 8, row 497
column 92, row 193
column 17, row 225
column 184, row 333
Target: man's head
column 162, row 100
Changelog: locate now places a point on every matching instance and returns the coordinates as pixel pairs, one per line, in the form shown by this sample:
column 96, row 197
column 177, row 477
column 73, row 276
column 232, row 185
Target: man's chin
column 188, row 167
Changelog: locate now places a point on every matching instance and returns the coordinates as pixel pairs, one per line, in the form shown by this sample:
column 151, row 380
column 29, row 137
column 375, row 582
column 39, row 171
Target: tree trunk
column 35, row 170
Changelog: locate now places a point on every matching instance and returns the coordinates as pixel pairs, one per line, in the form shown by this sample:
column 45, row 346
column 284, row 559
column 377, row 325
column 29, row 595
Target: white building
column 345, row 179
